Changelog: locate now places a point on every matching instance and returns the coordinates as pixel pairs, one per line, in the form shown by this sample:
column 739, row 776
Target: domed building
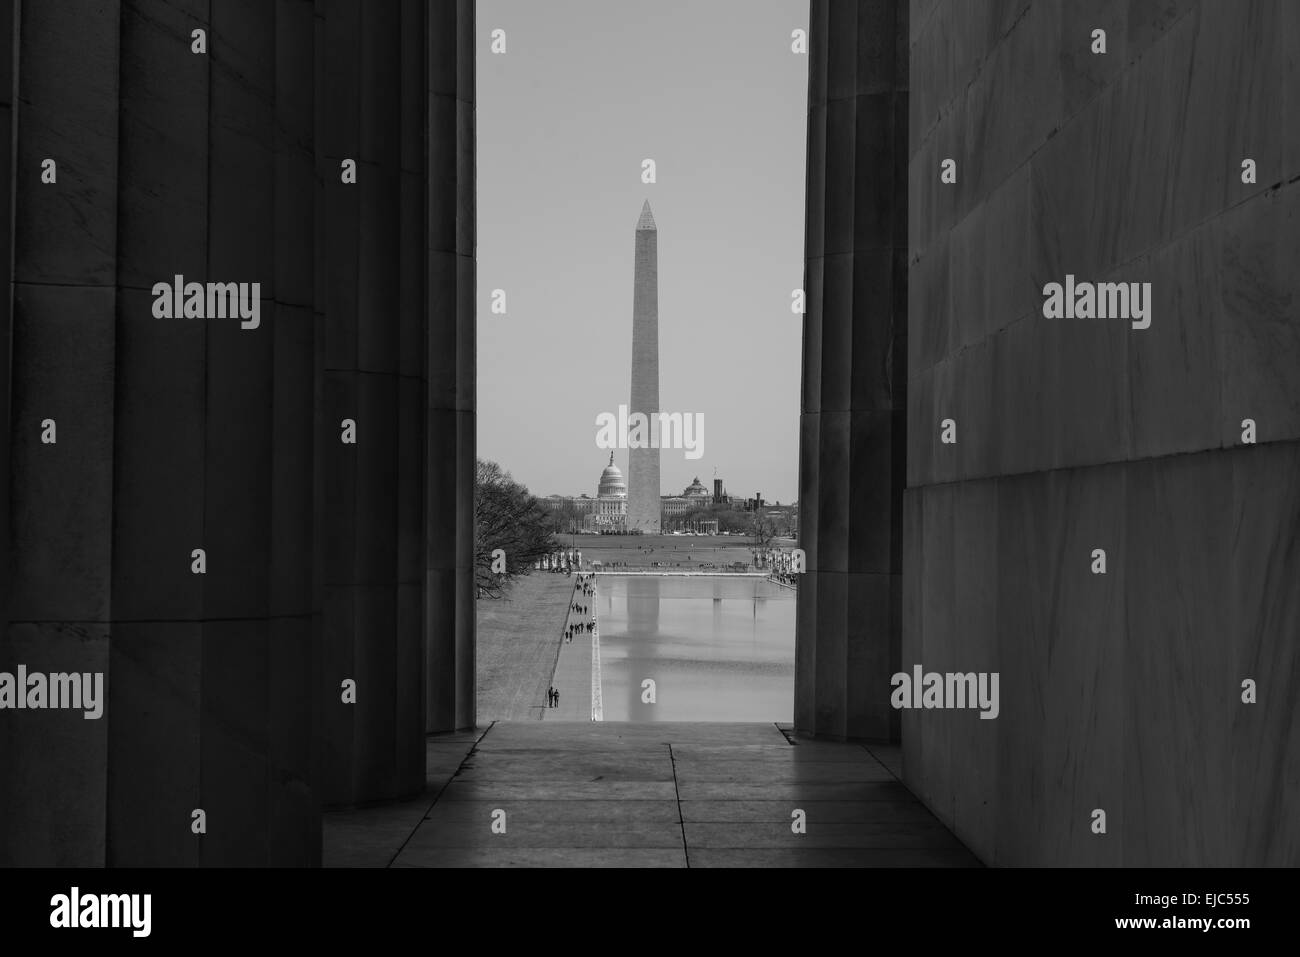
column 694, row 496
column 611, row 481
column 697, row 495
column 609, row 511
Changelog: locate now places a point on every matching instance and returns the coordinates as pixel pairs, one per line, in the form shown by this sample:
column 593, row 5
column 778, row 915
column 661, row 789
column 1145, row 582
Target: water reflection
column 642, row 596
column 717, row 649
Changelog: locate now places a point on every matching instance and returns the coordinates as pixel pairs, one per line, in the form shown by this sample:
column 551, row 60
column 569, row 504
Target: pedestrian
column 557, row 697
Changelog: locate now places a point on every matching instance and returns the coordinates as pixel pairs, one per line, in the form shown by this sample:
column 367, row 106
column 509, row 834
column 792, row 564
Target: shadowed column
column 449, row 491
column 854, row 382
column 399, row 364
column 175, row 434
column 61, row 362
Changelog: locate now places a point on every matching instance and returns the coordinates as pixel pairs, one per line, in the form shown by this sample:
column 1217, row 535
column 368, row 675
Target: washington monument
column 643, row 463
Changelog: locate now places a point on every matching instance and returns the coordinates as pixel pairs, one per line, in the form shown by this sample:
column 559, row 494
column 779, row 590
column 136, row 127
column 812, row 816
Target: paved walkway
column 594, row 794
column 573, row 670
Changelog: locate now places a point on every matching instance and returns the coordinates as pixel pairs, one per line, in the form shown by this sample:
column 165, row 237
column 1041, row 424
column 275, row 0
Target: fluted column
column 396, row 262
column 61, row 365
column 165, row 538
column 852, row 426
column 183, row 515
column 449, row 494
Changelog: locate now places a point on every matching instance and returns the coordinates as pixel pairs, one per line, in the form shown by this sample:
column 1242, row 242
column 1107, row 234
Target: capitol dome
column 611, row 481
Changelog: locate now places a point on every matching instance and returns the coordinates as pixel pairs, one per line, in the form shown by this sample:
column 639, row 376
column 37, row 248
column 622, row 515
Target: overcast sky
column 586, row 90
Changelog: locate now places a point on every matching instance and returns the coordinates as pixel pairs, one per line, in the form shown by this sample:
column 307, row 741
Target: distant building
column 697, row 495
column 694, row 498
column 576, row 504
column 609, row 510
column 671, row 506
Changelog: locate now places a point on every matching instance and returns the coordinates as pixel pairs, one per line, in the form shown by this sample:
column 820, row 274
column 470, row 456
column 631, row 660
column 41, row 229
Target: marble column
column 852, row 426
column 397, row 285
column 173, row 435
column 451, row 444
column 321, row 561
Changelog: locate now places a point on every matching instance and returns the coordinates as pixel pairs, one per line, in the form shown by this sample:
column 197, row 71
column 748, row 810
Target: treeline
column 759, row 526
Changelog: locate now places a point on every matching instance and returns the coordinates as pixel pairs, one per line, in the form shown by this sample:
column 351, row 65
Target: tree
column 507, row 517
column 763, row 530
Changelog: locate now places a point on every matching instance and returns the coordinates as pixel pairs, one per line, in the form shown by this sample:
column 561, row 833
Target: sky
column 586, row 90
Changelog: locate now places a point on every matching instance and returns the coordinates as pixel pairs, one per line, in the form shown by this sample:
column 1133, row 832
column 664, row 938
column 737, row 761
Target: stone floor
column 595, row 794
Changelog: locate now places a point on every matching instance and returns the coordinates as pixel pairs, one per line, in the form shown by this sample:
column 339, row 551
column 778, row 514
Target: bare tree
column 506, row 517
column 763, row 530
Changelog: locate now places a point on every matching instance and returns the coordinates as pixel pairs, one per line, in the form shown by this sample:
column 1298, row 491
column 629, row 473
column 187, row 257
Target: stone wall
column 1119, row 691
